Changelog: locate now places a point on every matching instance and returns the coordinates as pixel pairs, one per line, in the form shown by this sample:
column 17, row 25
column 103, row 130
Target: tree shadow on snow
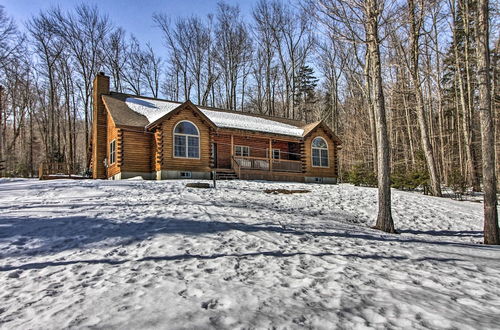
column 45, row 236
column 449, row 233
column 182, row 257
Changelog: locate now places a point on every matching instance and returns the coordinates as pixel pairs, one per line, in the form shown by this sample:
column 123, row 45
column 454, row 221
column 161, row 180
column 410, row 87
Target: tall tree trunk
column 415, row 26
column 384, row 217
column 2, row 134
column 466, row 120
column 491, row 231
column 470, row 104
column 371, row 115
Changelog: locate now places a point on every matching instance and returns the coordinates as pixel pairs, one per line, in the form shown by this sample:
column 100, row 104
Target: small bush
column 410, row 180
column 457, row 182
column 413, row 178
column 361, row 175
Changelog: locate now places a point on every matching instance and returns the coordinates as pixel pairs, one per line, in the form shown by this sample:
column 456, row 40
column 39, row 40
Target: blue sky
column 135, row 16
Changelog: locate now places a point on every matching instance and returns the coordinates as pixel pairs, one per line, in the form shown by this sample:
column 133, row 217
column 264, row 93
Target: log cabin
column 159, row 139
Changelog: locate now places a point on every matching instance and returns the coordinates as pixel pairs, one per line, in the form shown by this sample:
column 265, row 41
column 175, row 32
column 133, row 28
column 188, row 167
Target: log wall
column 114, row 133
column 169, row 162
column 311, row 170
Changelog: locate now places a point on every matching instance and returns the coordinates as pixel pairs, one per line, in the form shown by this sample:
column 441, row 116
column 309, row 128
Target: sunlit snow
column 154, row 255
column 155, row 109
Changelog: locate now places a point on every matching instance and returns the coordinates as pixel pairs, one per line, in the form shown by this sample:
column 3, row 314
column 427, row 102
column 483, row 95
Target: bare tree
column 233, row 50
column 83, row 32
column 49, row 48
column 416, row 18
column 177, row 42
column 491, row 231
column 116, row 50
column 359, row 22
column 373, row 9
column 265, row 56
column 152, row 70
column 133, row 74
column 293, row 42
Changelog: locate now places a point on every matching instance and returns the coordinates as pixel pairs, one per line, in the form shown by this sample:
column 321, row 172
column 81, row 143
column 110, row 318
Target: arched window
column 319, row 152
column 186, row 140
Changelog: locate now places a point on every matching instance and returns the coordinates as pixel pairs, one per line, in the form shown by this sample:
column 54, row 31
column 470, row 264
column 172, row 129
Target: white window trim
column 186, row 135
column 186, row 174
column 279, row 153
column 327, row 153
column 241, row 146
column 112, row 160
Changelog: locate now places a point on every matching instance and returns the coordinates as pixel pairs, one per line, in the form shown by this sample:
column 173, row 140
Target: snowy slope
column 155, row 109
column 146, row 255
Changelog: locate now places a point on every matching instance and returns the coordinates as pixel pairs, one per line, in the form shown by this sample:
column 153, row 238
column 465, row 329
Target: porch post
column 232, row 150
column 232, row 145
column 270, row 155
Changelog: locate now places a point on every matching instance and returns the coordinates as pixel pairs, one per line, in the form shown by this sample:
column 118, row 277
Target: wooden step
column 226, row 175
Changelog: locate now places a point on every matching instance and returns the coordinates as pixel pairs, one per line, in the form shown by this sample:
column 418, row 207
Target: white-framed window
column 186, row 175
column 112, row 152
column 186, row 140
column 319, row 152
column 276, row 154
column 242, row 151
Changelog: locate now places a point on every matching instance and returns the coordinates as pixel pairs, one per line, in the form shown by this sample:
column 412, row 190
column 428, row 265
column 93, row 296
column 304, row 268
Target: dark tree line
column 403, row 83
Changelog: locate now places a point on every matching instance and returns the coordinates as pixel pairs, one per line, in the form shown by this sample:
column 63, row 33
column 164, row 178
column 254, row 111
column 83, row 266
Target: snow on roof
column 155, row 109
column 251, row 123
column 151, row 109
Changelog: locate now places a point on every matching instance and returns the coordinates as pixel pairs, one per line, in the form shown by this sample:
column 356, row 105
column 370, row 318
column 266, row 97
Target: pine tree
column 305, row 96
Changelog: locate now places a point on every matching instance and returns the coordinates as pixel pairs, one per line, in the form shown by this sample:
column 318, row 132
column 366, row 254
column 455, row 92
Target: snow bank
column 145, row 255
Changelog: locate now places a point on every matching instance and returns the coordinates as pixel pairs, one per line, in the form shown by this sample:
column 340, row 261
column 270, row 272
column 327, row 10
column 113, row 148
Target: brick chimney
column 99, row 127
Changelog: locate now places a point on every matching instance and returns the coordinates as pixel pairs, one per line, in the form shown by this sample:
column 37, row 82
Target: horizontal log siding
column 329, row 171
column 136, row 151
column 185, row 164
column 113, row 133
column 283, row 147
column 223, row 150
column 258, row 146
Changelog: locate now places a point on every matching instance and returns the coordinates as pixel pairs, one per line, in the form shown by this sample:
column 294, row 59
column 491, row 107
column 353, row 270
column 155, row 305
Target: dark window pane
column 193, row 151
column 186, row 128
column 316, row 158
column 319, row 143
column 324, row 158
column 179, row 146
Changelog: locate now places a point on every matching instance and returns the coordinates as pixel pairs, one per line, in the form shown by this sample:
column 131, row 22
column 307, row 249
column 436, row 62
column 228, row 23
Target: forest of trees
column 308, row 61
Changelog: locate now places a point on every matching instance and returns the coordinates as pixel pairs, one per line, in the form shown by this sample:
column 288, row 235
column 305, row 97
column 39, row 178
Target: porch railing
column 47, row 168
column 287, row 165
column 258, row 163
column 252, row 163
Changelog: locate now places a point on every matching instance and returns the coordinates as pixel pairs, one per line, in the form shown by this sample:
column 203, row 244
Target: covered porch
column 255, row 154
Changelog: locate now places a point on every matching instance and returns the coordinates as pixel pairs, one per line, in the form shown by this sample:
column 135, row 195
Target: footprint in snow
column 211, row 304
column 15, row 274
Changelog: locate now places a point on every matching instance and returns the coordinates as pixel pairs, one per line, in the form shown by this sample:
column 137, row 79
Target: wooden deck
column 54, row 171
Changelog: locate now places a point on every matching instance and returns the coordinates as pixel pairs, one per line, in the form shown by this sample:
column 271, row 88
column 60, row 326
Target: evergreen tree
column 305, row 95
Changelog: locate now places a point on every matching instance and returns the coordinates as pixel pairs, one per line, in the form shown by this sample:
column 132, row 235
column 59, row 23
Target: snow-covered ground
column 144, row 254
